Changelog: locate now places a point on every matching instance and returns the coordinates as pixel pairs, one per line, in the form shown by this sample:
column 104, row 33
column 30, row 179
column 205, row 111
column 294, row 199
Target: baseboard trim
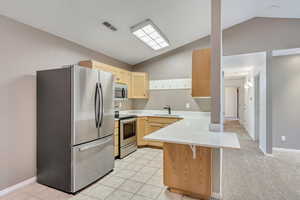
column 265, row 153
column 286, row 150
column 17, row 186
column 216, row 127
column 216, row 196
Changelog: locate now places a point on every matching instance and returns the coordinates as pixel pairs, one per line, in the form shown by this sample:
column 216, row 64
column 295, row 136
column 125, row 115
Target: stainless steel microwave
column 121, row 91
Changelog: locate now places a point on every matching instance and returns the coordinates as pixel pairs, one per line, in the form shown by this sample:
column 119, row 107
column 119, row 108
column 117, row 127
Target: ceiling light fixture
column 150, row 34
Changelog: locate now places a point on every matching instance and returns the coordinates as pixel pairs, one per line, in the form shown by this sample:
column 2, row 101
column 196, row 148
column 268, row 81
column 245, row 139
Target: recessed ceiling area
column 181, row 21
column 241, row 65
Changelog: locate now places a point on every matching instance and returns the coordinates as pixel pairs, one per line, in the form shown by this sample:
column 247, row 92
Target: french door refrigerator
column 75, row 126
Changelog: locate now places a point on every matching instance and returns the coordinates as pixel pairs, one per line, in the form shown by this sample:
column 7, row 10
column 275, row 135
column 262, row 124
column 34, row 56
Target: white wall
column 261, row 70
column 249, row 106
column 23, row 51
column 285, row 73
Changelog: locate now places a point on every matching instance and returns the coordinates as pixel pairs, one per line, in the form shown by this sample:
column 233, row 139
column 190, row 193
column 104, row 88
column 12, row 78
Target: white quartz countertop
column 193, row 129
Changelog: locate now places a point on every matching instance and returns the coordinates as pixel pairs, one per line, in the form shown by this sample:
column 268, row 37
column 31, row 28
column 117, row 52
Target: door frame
column 257, row 106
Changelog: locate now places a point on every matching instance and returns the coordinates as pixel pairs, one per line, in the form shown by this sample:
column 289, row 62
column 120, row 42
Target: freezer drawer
column 91, row 161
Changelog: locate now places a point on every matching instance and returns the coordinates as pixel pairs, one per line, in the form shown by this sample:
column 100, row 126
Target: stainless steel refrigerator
column 75, row 126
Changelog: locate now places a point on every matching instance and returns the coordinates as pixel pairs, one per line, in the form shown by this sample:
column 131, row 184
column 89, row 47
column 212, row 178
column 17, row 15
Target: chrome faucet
column 168, row 107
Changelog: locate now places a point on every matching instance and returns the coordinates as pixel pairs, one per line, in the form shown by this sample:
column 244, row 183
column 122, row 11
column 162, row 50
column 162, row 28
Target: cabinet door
column 152, row 127
column 201, row 73
column 128, row 82
column 141, row 130
column 140, row 85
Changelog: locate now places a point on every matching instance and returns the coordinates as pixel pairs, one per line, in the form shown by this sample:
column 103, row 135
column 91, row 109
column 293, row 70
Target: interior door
column 107, row 121
column 231, row 105
column 85, row 104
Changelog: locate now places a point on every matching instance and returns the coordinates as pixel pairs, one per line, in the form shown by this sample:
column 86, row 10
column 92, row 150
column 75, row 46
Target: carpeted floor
column 249, row 175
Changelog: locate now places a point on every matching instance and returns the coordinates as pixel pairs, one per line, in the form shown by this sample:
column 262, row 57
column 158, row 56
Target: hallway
column 249, row 175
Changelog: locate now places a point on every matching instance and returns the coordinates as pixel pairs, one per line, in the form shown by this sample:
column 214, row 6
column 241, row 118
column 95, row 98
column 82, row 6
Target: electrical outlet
column 283, row 138
column 120, row 105
column 187, row 105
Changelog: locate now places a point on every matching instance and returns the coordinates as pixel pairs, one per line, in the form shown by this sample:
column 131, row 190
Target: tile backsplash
column 123, row 104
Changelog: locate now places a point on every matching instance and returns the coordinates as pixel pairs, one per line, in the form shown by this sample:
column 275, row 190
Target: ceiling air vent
column 109, row 26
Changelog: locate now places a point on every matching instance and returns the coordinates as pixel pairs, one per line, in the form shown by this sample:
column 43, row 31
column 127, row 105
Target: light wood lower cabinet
column 147, row 125
column 152, row 127
column 141, row 130
column 185, row 175
column 116, row 138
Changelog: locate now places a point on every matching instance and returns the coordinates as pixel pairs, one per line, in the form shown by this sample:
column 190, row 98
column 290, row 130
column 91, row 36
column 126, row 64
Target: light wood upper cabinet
column 201, row 73
column 137, row 82
column 120, row 74
column 139, row 85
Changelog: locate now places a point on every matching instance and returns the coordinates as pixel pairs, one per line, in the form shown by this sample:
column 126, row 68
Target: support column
column 216, row 61
column 216, row 92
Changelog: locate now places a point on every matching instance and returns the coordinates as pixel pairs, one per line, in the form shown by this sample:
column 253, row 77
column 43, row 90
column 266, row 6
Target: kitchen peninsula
column 188, row 145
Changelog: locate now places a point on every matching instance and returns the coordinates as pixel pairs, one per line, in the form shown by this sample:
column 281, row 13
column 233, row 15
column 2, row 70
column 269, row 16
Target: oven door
column 127, row 132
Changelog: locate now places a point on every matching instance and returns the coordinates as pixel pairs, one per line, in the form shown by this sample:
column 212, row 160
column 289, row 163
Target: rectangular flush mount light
column 150, row 34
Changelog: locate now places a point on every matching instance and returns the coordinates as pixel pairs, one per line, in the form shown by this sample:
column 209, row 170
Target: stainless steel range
column 128, row 136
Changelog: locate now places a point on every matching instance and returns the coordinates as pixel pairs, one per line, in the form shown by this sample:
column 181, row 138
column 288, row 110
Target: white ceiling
column 182, row 21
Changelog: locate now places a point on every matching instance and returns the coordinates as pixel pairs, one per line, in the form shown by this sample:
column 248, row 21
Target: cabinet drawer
column 162, row 120
column 88, row 161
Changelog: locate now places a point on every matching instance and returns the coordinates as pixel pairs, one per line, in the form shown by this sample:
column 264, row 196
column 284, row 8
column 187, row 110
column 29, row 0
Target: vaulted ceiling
column 182, row 21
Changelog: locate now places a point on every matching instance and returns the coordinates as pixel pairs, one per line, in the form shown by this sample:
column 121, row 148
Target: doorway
column 231, row 103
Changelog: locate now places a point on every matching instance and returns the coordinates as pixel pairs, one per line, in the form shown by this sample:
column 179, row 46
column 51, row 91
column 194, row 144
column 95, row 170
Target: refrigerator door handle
column 93, row 145
column 96, row 106
column 101, row 113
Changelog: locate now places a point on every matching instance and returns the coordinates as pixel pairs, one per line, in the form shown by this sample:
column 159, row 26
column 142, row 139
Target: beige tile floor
column 247, row 175
column 136, row 177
